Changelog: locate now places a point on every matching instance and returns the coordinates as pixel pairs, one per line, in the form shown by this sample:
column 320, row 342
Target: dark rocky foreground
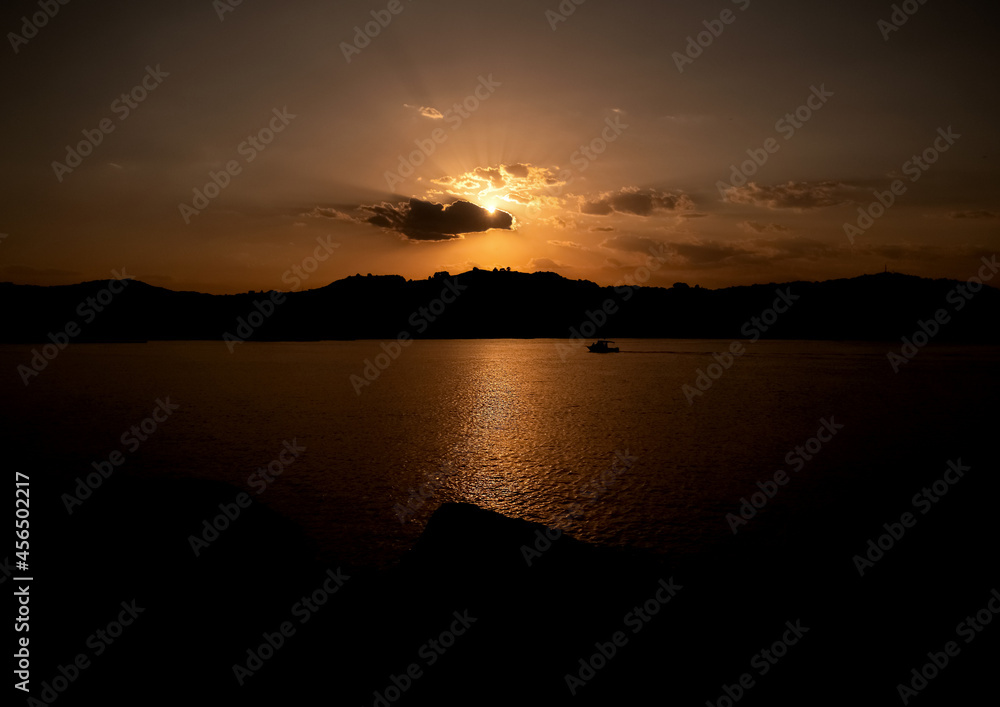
column 506, row 633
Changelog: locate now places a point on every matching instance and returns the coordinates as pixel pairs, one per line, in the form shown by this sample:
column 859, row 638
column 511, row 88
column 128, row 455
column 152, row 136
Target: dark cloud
column 631, row 244
column 639, row 202
column 974, row 214
column 783, row 248
column 754, row 251
column 426, row 221
column 799, row 196
column 923, row 252
column 709, row 253
column 706, row 253
column 758, row 227
column 778, row 247
column 329, row 212
column 516, row 170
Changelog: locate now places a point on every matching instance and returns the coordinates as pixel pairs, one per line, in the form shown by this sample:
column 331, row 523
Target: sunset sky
column 582, row 140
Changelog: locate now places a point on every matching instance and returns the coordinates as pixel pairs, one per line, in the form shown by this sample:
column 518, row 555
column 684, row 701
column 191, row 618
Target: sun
column 491, row 208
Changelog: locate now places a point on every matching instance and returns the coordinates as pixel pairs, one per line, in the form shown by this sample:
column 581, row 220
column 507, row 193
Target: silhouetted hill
column 502, row 304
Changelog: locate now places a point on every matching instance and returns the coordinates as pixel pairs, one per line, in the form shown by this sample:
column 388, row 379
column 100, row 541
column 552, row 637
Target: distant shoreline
column 508, row 305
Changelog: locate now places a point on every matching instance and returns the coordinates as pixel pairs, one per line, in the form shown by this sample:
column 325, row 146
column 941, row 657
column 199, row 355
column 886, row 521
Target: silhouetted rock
column 686, row 626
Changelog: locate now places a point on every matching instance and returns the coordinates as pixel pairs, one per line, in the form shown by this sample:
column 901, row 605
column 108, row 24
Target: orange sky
column 598, row 134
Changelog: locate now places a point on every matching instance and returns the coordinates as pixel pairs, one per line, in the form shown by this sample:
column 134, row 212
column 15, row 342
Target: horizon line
column 467, row 272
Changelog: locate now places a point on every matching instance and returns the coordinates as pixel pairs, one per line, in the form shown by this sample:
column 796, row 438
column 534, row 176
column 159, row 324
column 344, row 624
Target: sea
column 671, row 446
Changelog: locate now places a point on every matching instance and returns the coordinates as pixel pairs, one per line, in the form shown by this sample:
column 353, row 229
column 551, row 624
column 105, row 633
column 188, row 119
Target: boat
column 601, row 346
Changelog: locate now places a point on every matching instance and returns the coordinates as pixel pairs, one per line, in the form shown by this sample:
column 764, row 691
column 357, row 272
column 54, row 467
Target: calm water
column 505, row 424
